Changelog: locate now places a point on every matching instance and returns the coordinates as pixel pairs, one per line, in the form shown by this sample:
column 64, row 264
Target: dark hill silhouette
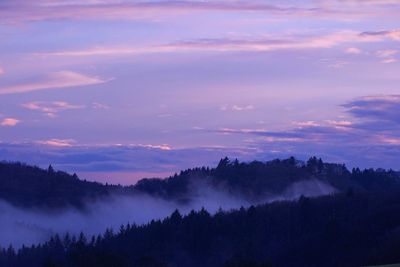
column 256, row 180
column 357, row 226
column 27, row 186
column 339, row 230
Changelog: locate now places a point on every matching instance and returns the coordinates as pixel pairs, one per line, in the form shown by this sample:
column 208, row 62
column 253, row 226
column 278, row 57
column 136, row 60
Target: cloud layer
column 23, row 11
column 55, row 80
column 255, row 44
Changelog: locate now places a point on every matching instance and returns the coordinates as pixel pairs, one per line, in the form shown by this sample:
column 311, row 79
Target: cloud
column 51, row 109
column 386, row 53
column 54, row 80
column 13, row 12
column 58, row 142
column 306, row 123
column 379, row 107
column 9, row 122
column 339, row 123
column 262, row 43
column 373, row 2
column 231, row 44
column 161, row 147
column 369, row 136
column 389, row 60
column 1, row 71
column 237, row 107
column 378, row 35
column 97, row 105
column 20, row 11
column 242, row 108
column 353, row 50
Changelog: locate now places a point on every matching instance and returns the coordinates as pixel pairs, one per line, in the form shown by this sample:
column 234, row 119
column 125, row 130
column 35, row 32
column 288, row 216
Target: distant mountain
column 27, row 186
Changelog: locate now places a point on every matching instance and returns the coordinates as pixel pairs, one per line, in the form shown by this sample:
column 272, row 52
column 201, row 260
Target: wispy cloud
column 61, row 79
column 374, row 121
column 353, row 50
column 389, row 60
column 237, row 107
column 391, row 34
column 386, row 53
column 97, row 105
column 58, row 142
column 306, row 123
column 161, row 147
column 22, row 11
column 51, row 109
column 231, row 44
column 1, row 71
column 9, row 122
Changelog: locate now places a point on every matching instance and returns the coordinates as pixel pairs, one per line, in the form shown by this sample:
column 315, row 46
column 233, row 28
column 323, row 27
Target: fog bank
column 29, row 226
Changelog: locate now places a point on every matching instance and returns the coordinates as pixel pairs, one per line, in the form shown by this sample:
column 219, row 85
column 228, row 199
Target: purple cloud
column 383, row 108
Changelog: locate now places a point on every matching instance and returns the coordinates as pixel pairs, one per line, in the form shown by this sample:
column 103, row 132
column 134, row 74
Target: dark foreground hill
column 353, row 229
column 256, row 181
column 28, row 186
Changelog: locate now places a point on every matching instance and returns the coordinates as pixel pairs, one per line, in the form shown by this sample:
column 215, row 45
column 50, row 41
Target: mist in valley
column 32, row 226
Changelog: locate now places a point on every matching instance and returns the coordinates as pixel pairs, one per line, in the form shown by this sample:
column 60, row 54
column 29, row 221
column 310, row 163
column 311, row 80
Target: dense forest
column 27, row 186
column 255, row 180
column 351, row 229
column 358, row 225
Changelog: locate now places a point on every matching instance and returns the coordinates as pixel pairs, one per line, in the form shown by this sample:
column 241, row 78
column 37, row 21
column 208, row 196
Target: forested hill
column 360, row 229
column 359, row 225
column 257, row 180
column 27, row 186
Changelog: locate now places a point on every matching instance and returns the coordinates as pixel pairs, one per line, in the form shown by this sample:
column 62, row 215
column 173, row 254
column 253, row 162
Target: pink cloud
column 161, row 147
column 152, row 10
column 379, row 35
column 228, row 44
column 51, row 109
column 341, row 123
column 306, row 123
column 386, row 53
column 388, row 140
column 54, row 80
column 353, row 50
column 57, row 142
column 9, row 122
column 389, row 60
column 13, row 12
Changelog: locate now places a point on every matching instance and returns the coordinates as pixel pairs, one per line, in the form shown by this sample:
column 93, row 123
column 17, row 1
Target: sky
column 117, row 90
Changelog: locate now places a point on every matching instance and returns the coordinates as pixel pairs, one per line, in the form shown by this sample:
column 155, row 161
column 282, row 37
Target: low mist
column 31, row 226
